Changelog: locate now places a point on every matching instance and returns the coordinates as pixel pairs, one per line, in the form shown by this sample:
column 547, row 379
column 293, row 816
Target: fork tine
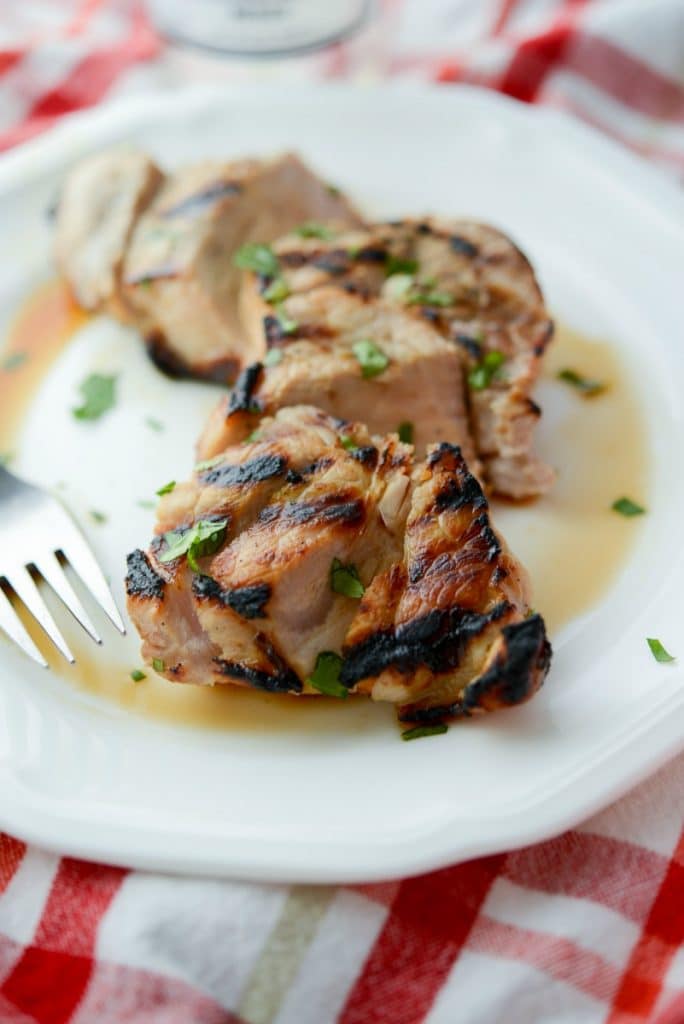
column 83, row 561
column 52, row 572
column 24, row 587
column 11, row 624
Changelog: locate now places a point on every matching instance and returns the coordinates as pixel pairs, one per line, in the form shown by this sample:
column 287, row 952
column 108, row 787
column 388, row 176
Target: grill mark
column 165, row 359
column 437, row 640
column 254, row 471
column 367, row 455
column 522, row 664
column 273, row 332
column 462, row 246
column 141, row 579
column 241, row 397
column 205, row 197
column 371, row 254
column 334, row 262
column 278, row 682
column 472, row 346
column 330, row 509
column 455, row 495
column 249, row 602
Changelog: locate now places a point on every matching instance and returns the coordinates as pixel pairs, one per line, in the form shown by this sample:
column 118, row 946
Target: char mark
column 367, row 455
column 334, row 262
column 199, row 200
column 141, row 579
column 472, row 346
column 273, row 331
column 330, row 509
column 276, row 682
column 456, row 495
column 518, row 671
column 462, row 246
column 242, row 396
column 249, row 602
column 222, row 371
column 437, row 640
column 254, row 471
column 371, row 254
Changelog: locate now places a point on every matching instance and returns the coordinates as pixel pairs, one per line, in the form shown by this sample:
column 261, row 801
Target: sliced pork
column 315, row 558
column 473, row 286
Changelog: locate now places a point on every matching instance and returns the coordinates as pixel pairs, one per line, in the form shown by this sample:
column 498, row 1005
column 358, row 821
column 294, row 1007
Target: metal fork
column 34, row 529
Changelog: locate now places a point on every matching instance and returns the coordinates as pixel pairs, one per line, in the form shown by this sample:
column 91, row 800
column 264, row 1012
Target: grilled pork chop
column 163, row 251
column 101, row 200
column 473, row 286
column 419, row 375
column 241, row 583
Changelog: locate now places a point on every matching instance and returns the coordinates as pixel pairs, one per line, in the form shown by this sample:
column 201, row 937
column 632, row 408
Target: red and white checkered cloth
column 583, row 929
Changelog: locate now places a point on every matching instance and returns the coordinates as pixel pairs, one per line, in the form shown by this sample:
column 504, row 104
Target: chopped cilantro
column 326, row 675
column 158, row 665
column 13, row 361
column 311, row 229
column 273, row 357
column 420, row 297
column 344, row 579
column 203, row 538
column 98, row 394
column 167, row 488
column 419, row 731
column 145, row 503
column 397, row 265
column 210, row 463
column 287, row 324
column 487, row 369
column 587, row 387
column 371, row 359
column 349, row 443
column 154, row 424
column 628, row 508
column 98, row 517
column 405, row 432
column 251, row 438
column 276, row 291
column 332, row 190
column 137, row 676
column 658, row 651
column 259, row 258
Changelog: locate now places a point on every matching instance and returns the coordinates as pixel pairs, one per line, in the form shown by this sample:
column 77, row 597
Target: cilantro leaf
column 419, row 731
column 137, row 676
column 167, row 488
column 344, row 579
column 405, row 432
column 628, row 508
column 588, row 388
column 273, row 357
column 326, row 675
column 482, row 375
column 99, row 396
column 203, row 538
column 371, row 359
column 276, row 291
column 259, row 258
column 658, row 651
column 312, row 229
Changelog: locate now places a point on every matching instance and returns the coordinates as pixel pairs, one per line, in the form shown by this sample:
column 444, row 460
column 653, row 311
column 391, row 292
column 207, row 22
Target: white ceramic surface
column 88, row 778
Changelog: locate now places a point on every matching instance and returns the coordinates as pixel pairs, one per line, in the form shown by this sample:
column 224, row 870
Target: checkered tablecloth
column 585, row 928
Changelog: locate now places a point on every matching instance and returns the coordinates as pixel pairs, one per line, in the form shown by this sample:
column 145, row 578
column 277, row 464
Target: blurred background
column 618, row 64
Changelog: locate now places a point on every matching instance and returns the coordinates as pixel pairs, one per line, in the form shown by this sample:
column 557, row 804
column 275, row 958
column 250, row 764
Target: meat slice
column 476, row 288
column 101, row 200
column 179, row 269
column 443, row 627
column 315, row 359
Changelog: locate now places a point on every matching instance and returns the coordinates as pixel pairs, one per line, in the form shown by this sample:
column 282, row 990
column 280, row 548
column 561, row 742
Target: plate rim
column 622, row 765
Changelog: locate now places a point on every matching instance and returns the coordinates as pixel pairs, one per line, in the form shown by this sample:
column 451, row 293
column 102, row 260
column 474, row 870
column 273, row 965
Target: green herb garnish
column 344, row 579
column 145, row 503
column 424, row 730
column 397, row 265
column 167, row 488
column 658, row 651
column 203, row 538
column 251, row 438
column 628, row 508
column 154, row 424
column 287, row 324
column 158, row 665
column 273, row 357
column 326, row 675
column 137, row 676
column 349, row 443
column 332, row 190
column 587, row 387
column 487, row 369
column 371, row 359
column 98, row 517
column 210, row 463
column 405, row 432
column 398, row 287
column 418, row 297
column 98, row 397
column 259, row 258
column 13, row 361
column 276, row 291
column 311, row 229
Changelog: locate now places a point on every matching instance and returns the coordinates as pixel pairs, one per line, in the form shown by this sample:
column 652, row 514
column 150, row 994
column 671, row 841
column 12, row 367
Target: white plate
column 313, row 802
